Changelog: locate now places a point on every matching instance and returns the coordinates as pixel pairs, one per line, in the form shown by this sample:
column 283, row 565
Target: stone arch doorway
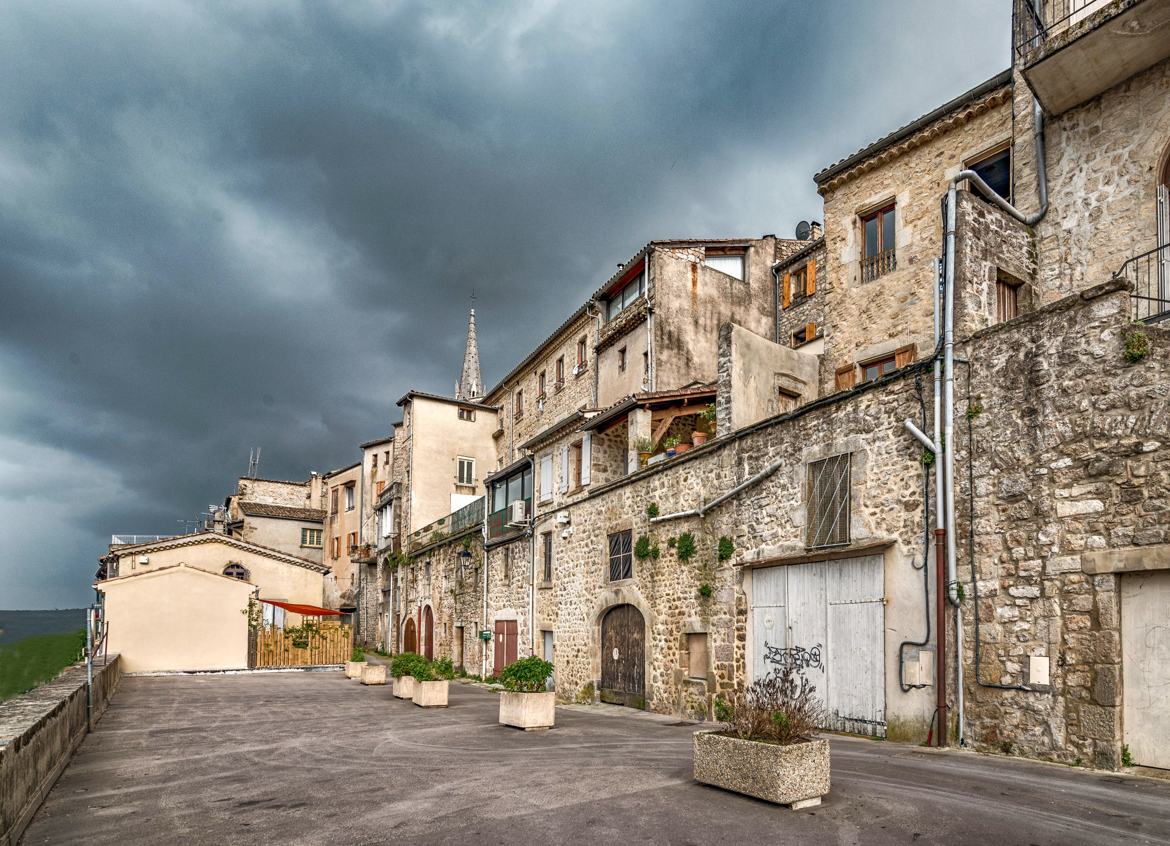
column 409, row 636
column 623, row 656
column 428, row 634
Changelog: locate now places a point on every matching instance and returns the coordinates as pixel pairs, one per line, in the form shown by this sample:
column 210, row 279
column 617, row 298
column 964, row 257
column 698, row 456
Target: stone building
column 802, row 532
column 278, row 514
column 342, row 524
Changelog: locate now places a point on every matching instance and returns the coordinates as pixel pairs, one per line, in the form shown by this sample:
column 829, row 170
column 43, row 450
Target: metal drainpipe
column 649, row 329
column 775, row 303
column 487, row 504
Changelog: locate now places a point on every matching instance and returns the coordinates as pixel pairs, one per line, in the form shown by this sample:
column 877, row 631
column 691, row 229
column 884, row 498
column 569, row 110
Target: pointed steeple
column 470, row 387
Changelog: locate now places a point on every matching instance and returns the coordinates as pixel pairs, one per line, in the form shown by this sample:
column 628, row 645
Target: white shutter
column 564, row 486
column 546, row 478
column 585, row 460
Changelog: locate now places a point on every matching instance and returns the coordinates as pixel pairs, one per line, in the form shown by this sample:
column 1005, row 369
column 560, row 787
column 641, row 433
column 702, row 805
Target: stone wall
column 39, row 732
column 1070, row 456
column 989, row 245
column 1104, row 161
column 804, row 310
column 871, row 319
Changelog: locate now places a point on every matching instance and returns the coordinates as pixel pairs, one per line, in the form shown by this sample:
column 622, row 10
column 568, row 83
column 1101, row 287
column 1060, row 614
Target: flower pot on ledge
column 528, row 711
column 404, row 687
column 796, row 775
column 699, row 438
column 681, row 448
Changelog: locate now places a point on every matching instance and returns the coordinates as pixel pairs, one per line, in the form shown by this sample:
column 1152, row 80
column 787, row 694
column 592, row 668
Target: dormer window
column 626, row 297
column 728, row 260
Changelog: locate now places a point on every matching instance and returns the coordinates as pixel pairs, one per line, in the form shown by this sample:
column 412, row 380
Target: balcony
column 878, row 265
column 1072, row 50
column 498, row 527
column 1149, row 274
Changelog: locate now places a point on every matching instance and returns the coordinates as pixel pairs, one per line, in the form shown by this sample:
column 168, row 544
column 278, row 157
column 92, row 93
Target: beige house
column 176, row 617
column 343, row 518
column 278, row 514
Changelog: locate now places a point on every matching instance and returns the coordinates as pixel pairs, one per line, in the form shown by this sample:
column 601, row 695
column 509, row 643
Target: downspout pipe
column 1041, row 175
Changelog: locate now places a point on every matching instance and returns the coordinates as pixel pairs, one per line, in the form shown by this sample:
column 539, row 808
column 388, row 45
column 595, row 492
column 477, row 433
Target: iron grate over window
column 828, row 501
column 621, row 555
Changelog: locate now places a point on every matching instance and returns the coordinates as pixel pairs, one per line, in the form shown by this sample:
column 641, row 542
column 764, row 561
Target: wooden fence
column 327, row 643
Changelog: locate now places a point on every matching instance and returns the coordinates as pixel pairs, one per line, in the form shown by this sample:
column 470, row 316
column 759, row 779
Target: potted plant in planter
column 768, row 750
column 353, row 667
column 430, row 690
column 403, row 667
column 671, row 444
column 526, row 704
column 645, row 448
column 706, row 425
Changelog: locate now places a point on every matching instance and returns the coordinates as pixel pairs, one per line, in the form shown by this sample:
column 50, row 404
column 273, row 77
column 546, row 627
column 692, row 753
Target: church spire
column 470, row 387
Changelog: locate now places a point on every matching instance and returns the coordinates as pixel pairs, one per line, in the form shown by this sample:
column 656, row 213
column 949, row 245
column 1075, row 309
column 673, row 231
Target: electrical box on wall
column 918, row 667
column 1039, row 671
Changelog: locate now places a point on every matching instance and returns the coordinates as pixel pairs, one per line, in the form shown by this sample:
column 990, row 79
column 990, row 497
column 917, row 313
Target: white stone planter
column 353, row 669
column 796, row 775
column 404, row 687
column 528, row 711
column 430, row 694
column 374, row 674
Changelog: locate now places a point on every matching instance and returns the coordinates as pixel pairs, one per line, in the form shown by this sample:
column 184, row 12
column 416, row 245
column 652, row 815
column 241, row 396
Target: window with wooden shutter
column 905, row 355
column 846, row 377
column 810, row 283
column 787, row 293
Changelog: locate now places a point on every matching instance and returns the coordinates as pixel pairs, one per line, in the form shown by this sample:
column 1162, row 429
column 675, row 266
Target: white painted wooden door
column 827, row 619
column 1145, row 666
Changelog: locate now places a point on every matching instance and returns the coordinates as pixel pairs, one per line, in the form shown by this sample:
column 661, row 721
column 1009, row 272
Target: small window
column 996, row 170
column 540, row 385
column 575, row 465
column 621, row 555
column 519, row 410
column 581, row 362
column 626, row 297
column 379, row 486
column 374, row 462
column 311, row 537
column 729, row 261
column 872, row 370
column 349, row 497
column 236, row 571
column 560, row 373
column 466, row 473
column 622, row 360
column 804, row 334
column 427, row 573
column 546, row 478
column 1007, row 300
column 333, row 501
column 878, row 255
column 546, row 546
column 386, row 458
column 467, row 414
column 828, row 501
column 697, row 661
column 336, row 549
column 352, row 541
column 645, row 366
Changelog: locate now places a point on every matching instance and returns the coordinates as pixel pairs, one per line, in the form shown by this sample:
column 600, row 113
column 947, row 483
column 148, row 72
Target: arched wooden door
column 409, row 636
column 623, row 656
column 428, row 638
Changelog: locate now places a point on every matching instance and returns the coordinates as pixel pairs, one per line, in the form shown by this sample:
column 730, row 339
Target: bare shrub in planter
column 768, row 750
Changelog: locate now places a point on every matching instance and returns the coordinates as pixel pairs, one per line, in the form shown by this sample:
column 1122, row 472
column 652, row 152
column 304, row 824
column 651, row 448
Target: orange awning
column 303, row 610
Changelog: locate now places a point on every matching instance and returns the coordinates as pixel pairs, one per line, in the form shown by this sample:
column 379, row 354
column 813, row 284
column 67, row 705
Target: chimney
column 816, row 230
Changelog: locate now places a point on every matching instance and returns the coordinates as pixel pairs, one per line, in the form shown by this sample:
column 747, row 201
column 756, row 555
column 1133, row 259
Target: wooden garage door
column 1145, row 666
column 826, row 619
column 623, row 657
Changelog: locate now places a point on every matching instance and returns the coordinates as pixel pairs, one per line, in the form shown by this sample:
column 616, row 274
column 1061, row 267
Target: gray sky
column 230, row 225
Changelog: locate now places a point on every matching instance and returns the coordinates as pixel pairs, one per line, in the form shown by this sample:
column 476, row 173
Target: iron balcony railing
column 874, row 266
column 134, row 540
column 1035, row 21
column 1149, row 274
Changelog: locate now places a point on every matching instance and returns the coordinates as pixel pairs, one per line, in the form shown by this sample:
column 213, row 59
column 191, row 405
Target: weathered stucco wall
column 280, row 534
column 752, row 372
column 437, row 439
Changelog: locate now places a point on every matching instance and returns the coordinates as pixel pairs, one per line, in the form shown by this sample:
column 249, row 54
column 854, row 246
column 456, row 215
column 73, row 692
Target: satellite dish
column 803, row 231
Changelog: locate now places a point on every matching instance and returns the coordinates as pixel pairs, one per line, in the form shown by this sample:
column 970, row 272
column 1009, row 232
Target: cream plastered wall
column 342, row 581
column 275, row 579
column 281, row 534
column 438, row 439
column 178, row 618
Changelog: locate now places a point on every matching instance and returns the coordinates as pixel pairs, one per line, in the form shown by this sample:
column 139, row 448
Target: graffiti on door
column 795, row 657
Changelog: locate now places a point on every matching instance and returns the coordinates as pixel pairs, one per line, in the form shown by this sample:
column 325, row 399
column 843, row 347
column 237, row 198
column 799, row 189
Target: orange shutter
column 811, row 278
column 904, row 355
column 846, row 376
column 810, row 331
column 787, row 300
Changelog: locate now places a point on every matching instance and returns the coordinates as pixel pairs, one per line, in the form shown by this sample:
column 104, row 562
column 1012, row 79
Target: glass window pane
column 888, row 230
column 515, row 491
column 871, row 237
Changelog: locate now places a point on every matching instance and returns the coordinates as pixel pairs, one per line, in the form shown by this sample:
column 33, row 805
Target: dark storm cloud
column 228, row 225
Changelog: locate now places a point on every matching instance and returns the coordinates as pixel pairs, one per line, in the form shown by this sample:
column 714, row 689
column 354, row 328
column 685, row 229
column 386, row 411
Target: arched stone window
column 236, row 571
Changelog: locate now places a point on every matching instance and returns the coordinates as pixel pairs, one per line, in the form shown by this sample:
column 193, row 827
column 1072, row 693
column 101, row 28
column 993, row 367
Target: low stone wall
column 38, row 732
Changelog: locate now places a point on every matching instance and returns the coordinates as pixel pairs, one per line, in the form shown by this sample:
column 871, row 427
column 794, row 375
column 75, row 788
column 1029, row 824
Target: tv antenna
column 253, row 462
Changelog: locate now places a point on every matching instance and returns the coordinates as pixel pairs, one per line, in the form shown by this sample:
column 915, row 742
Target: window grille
column 828, row 501
column 621, row 555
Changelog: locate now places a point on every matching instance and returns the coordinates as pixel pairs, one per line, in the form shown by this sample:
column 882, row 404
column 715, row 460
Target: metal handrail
column 1036, row 21
column 1149, row 276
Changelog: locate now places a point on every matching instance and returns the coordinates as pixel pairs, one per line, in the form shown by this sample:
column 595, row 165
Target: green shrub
column 424, row 670
column 726, row 548
column 358, row 654
column 528, row 675
column 723, row 712
column 685, row 548
column 443, row 668
column 652, row 510
column 706, row 591
column 405, row 663
column 585, row 697
column 1137, row 346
